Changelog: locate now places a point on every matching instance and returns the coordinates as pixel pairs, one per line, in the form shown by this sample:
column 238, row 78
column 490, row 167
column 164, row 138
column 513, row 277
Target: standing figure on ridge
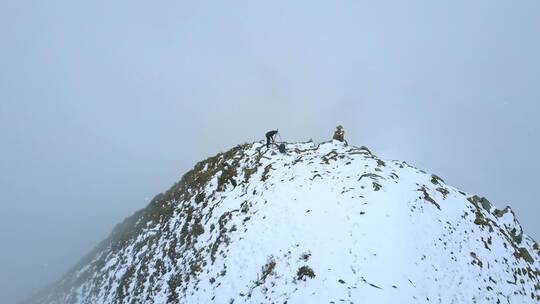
column 270, row 137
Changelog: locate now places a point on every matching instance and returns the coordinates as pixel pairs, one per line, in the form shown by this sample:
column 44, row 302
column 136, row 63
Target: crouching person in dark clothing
column 270, row 137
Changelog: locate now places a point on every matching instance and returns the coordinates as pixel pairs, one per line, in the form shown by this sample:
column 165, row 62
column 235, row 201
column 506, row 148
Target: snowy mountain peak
column 326, row 223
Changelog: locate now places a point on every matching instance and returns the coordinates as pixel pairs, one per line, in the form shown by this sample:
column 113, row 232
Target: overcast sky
column 104, row 104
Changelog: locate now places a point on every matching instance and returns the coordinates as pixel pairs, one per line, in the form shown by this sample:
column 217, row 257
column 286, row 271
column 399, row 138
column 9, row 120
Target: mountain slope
column 321, row 224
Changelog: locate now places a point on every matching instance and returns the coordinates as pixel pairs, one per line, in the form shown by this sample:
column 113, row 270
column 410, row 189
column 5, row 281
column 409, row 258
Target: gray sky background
column 103, row 104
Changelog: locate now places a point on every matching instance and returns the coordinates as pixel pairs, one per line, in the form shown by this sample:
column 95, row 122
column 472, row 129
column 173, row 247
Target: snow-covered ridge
column 325, row 223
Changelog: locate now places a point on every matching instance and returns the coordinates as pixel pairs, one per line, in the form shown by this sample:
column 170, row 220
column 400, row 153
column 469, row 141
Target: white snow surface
column 254, row 230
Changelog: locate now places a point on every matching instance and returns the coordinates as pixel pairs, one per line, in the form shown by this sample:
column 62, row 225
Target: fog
column 104, row 104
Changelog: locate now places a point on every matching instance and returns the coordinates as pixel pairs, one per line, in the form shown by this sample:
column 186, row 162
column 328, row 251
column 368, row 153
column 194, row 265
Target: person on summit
column 270, row 137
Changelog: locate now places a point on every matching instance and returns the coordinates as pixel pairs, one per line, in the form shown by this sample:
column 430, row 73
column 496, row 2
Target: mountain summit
column 327, row 223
